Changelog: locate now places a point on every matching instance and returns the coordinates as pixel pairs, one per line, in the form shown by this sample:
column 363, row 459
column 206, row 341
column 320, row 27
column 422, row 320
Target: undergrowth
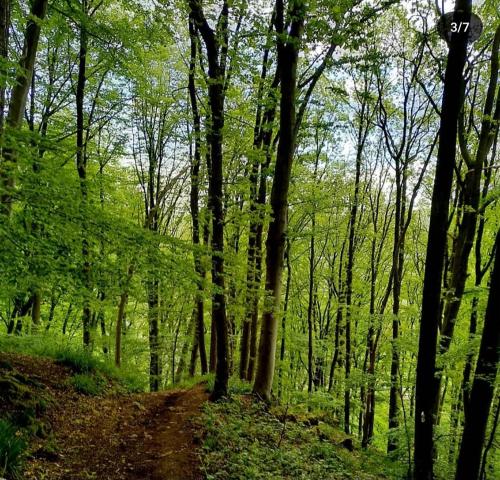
column 88, row 384
column 78, row 359
column 244, row 440
column 12, row 450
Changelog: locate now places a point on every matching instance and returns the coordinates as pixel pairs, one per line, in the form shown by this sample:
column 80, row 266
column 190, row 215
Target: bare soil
column 118, row 437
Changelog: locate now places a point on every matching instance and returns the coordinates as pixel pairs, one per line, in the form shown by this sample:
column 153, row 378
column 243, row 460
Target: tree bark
column 216, row 72
column 261, row 143
column 275, row 245
column 199, row 331
column 155, row 366
column 122, row 305
column 427, row 386
column 4, row 52
column 19, row 92
column 310, row 306
column 476, row 420
column 469, row 206
column 81, row 165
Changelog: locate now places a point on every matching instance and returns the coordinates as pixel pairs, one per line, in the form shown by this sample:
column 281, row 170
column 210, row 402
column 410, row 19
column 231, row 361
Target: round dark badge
column 460, row 24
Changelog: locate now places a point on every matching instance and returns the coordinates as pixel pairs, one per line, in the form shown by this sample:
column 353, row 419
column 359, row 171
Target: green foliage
column 75, row 357
column 246, row 441
column 88, row 384
column 12, row 449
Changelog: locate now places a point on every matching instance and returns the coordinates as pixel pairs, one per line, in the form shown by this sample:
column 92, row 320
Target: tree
column 427, row 386
column 199, row 330
column 481, row 396
column 216, row 44
column 288, row 44
column 19, row 92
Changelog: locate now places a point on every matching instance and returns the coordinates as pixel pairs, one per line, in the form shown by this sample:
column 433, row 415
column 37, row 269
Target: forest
column 293, row 203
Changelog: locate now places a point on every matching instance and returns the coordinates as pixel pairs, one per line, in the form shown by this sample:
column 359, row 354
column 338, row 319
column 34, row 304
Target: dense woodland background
column 250, row 189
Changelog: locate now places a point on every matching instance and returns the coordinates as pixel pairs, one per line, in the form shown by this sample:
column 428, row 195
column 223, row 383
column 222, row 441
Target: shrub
column 12, row 449
column 88, row 384
column 78, row 360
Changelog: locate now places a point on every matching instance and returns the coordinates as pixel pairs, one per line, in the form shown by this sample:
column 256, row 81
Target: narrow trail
column 133, row 437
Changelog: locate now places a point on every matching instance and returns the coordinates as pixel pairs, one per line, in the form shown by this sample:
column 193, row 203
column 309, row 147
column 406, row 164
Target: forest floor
column 82, row 423
column 113, row 436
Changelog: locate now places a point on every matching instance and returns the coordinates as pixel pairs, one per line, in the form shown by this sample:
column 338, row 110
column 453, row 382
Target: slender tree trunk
column 19, row 91
column 36, row 309
column 481, row 396
column 199, row 330
column 349, row 268
column 263, row 141
column 260, row 133
column 275, row 244
column 53, row 304
column 66, row 318
column 427, row 386
column 338, row 323
column 120, row 319
column 185, row 347
column 216, row 72
column 4, row 52
column 155, row 366
column 81, row 165
column 392, row 443
column 259, row 234
column 119, row 323
column 491, row 440
column 213, row 347
column 454, row 421
column 285, row 311
column 310, row 306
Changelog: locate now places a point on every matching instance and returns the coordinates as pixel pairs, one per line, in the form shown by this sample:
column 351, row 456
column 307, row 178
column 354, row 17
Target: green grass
column 12, row 450
column 188, row 382
column 245, row 441
column 88, row 384
column 78, row 359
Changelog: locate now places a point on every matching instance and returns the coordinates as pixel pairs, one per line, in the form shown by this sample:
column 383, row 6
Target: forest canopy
column 301, row 195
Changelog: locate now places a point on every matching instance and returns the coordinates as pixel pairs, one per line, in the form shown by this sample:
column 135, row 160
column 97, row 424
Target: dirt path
column 133, row 437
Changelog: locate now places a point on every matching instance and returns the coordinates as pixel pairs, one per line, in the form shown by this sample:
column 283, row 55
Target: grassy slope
column 246, row 441
column 241, row 439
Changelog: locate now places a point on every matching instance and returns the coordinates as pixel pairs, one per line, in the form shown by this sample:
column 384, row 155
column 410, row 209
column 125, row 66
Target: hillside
column 112, row 435
column 76, row 432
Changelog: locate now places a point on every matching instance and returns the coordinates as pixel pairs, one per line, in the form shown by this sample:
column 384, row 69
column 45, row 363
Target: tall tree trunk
column 118, row 332
column 19, row 91
column 491, row 441
column 155, row 365
column 262, row 132
column 199, row 330
column 120, row 319
column 36, row 309
column 427, row 386
column 338, row 323
column 275, row 245
column 216, row 52
column 476, row 419
column 81, row 165
column 353, row 215
column 480, row 272
column 310, row 306
column 397, row 267
column 259, row 228
column 185, row 347
column 469, row 203
column 285, row 311
column 4, row 53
